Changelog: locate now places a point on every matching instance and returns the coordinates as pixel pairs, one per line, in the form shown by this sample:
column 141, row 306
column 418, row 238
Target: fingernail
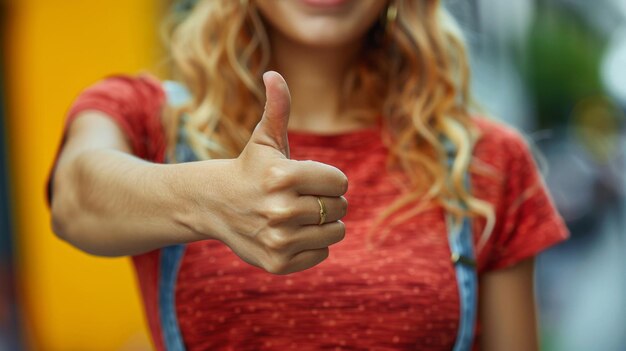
column 266, row 76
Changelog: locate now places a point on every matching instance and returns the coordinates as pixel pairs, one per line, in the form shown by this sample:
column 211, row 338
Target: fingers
column 309, row 209
column 312, row 237
column 305, row 210
column 301, row 261
column 315, row 178
column 296, row 241
column 307, row 259
column 272, row 129
column 288, row 250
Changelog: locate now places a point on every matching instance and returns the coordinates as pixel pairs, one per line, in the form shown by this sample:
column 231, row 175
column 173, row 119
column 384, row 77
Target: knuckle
column 277, row 266
column 276, row 241
column 277, row 214
column 277, row 177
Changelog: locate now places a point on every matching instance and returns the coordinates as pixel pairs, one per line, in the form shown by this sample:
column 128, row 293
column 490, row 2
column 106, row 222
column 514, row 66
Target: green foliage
column 561, row 64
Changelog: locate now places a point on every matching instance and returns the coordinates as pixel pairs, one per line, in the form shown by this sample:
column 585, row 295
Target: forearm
column 262, row 205
column 508, row 310
column 109, row 203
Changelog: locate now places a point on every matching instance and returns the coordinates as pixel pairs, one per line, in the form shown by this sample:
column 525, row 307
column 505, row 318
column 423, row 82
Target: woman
column 377, row 96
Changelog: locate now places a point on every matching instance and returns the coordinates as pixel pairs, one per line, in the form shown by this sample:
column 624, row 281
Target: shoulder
column 145, row 85
column 504, row 161
column 496, row 134
column 139, row 81
column 135, row 103
column 526, row 219
column 121, row 92
column 499, row 143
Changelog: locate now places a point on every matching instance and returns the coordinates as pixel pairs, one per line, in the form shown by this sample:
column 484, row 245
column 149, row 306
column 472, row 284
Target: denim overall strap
column 467, row 281
column 171, row 256
column 460, row 240
column 169, row 264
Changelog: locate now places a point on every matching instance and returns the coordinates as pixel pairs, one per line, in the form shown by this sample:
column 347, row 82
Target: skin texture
column 507, row 309
column 301, row 38
column 321, row 27
column 108, row 202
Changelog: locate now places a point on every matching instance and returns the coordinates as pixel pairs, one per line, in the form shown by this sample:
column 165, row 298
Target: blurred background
column 556, row 69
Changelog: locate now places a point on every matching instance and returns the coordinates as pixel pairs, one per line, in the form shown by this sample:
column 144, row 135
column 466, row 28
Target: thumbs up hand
column 272, row 129
column 269, row 209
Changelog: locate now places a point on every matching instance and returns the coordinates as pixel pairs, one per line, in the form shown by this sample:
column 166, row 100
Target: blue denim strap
column 171, row 256
column 467, row 281
column 176, row 93
column 169, row 264
column 460, row 240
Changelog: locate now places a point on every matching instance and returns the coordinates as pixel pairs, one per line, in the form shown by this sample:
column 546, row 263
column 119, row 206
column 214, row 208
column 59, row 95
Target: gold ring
column 322, row 210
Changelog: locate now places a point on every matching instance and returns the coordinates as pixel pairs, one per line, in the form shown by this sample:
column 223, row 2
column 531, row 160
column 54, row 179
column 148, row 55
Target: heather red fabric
column 401, row 296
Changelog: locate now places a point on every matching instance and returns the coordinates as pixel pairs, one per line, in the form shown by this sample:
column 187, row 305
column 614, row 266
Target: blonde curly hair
column 414, row 71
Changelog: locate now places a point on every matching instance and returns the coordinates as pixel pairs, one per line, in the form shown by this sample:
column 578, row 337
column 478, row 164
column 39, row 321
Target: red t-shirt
column 403, row 295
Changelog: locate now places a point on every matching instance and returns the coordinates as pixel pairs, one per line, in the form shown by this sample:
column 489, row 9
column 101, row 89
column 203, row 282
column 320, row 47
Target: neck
column 315, row 77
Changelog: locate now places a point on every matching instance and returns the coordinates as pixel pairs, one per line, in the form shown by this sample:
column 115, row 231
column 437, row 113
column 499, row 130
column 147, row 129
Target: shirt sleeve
column 135, row 104
column 528, row 219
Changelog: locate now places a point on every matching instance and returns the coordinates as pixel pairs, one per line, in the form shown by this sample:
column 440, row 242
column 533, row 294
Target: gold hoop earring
column 392, row 15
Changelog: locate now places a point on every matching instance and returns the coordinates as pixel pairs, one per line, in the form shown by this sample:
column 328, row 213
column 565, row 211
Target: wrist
column 194, row 192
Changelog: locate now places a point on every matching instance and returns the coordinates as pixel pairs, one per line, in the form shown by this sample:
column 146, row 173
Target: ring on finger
column 323, row 212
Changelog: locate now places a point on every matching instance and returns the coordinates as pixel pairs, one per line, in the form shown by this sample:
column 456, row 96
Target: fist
column 284, row 213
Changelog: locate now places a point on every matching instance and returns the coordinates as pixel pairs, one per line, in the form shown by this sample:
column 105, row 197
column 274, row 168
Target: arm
column 507, row 309
column 108, row 202
column 261, row 204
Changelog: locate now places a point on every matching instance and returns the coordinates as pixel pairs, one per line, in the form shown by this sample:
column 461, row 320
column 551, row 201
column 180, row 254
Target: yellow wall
column 56, row 48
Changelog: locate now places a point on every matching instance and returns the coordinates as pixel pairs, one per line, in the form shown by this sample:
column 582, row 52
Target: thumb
column 272, row 129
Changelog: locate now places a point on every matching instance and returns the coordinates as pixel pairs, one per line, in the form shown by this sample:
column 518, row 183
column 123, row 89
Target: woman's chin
column 322, row 23
column 322, row 41
column 326, row 37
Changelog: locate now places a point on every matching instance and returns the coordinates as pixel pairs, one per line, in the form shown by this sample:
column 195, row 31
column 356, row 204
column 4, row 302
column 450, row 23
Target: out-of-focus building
column 557, row 70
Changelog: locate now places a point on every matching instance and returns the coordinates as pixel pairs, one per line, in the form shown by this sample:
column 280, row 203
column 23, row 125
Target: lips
column 324, row 3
